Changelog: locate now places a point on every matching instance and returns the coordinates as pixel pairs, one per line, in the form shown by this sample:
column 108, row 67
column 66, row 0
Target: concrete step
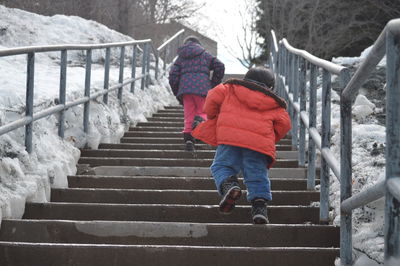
column 166, row 213
column 200, row 154
column 164, row 233
column 160, row 124
column 164, row 118
column 166, row 182
column 171, row 140
column 297, row 173
column 171, row 196
column 168, row 135
column 156, row 129
column 153, row 146
column 173, row 107
column 170, row 114
column 167, row 146
column 115, row 161
column 172, row 110
column 50, row 254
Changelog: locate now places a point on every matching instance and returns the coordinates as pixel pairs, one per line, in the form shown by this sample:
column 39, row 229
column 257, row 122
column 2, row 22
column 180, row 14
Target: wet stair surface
column 146, row 201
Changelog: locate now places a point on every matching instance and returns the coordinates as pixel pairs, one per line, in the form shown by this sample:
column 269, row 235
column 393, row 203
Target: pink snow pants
column 192, row 106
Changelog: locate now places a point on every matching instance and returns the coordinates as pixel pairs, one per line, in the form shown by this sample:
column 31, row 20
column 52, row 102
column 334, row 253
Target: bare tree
column 249, row 44
column 326, row 28
column 163, row 11
column 247, row 38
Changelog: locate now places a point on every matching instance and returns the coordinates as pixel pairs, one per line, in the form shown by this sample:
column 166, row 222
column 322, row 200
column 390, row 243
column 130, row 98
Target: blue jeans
column 230, row 160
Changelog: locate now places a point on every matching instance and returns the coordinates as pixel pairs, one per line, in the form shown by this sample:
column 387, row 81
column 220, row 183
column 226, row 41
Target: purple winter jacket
column 190, row 73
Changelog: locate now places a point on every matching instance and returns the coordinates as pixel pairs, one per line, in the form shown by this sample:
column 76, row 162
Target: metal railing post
column 106, row 74
column 121, row 73
column 392, row 209
column 295, row 91
column 313, row 124
column 30, row 80
column 281, row 69
column 157, row 63
column 303, row 107
column 289, row 82
column 133, row 74
column 148, row 58
column 143, row 66
column 63, row 83
column 325, row 143
column 86, row 110
column 165, row 61
column 345, row 174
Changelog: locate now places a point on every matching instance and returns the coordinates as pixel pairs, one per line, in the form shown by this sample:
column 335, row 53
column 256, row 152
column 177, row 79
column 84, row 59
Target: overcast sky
column 220, row 20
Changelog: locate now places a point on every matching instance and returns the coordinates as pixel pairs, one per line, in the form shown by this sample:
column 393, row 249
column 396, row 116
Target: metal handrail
column 62, row 106
column 57, row 48
column 387, row 43
column 292, row 64
column 170, row 40
column 327, row 65
column 286, row 62
column 168, row 49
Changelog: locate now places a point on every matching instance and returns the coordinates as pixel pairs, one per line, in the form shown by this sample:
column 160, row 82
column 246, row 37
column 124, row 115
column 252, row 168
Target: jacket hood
column 256, row 100
column 190, row 50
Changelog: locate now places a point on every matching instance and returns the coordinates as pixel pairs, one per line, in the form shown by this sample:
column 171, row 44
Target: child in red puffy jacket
column 246, row 119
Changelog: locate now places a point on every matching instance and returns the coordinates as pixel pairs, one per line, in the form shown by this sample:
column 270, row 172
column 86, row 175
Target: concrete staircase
column 145, row 201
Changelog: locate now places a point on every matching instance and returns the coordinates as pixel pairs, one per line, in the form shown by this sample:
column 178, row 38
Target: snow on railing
column 61, row 106
column 290, row 66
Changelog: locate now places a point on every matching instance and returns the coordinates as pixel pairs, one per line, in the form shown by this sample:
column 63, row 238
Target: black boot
column 259, row 211
column 231, row 192
column 189, row 141
column 196, row 121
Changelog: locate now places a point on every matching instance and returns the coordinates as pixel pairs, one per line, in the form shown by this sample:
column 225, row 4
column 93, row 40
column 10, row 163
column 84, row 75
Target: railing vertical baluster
column 148, row 57
column 165, row 60
column 284, row 73
column 392, row 209
column 289, row 82
column 133, row 75
column 30, row 80
column 303, row 103
column 106, row 74
column 157, row 64
column 143, row 66
column 295, row 90
column 289, row 74
column 63, row 83
column 121, row 72
column 86, row 110
column 345, row 173
column 281, row 69
column 313, row 124
column 325, row 143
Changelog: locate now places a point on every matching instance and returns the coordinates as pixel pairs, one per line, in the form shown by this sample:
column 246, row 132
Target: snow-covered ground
column 28, row 177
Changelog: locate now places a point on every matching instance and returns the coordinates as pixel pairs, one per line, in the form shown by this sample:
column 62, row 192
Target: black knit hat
column 191, row 39
column 262, row 76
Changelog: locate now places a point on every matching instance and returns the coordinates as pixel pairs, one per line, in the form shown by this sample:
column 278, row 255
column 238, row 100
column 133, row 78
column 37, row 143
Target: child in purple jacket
column 190, row 81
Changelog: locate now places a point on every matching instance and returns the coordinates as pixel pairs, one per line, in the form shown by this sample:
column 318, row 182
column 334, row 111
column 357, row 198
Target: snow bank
column 29, row 177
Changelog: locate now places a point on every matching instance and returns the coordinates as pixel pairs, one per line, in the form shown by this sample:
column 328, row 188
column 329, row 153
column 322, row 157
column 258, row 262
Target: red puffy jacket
column 244, row 114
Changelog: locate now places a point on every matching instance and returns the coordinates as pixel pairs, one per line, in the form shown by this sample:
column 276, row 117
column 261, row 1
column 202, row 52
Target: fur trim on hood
column 255, row 87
